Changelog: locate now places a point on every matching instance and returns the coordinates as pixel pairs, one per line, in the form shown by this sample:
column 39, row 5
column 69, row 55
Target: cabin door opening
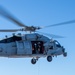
column 37, row 47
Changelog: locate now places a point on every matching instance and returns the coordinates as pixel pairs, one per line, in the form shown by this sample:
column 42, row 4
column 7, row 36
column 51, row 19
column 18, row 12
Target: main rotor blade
column 7, row 15
column 10, row 30
column 58, row 24
column 51, row 35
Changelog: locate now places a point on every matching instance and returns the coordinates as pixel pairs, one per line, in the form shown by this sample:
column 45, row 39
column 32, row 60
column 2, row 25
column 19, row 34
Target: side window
column 51, row 47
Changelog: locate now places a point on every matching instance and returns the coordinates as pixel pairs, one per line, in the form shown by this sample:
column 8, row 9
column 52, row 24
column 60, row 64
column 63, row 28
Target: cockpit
column 57, row 43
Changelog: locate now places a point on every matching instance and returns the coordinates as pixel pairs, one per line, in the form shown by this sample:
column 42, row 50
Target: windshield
column 57, row 43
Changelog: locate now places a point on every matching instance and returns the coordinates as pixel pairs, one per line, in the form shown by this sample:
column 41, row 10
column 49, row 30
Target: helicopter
column 32, row 45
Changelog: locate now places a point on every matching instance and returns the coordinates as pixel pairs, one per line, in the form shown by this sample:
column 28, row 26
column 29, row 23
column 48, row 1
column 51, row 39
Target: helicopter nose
column 64, row 53
column 63, row 49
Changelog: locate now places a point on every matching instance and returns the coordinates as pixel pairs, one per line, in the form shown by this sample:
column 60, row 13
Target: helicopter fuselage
column 30, row 45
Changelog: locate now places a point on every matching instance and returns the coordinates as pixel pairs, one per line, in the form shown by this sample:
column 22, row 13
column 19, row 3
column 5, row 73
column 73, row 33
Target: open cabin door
column 37, row 47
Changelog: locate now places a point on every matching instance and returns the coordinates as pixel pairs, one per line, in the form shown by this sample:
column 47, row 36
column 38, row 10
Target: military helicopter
column 32, row 45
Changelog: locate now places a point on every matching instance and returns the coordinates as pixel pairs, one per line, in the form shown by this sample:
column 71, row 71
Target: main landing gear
column 33, row 61
column 49, row 58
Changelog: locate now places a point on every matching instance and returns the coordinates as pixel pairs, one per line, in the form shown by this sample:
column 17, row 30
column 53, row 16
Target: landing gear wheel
column 33, row 61
column 49, row 58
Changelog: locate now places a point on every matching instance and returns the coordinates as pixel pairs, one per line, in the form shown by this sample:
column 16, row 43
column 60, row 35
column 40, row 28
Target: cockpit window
column 51, row 47
column 57, row 44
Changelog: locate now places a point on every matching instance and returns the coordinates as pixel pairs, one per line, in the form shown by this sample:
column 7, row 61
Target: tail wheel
column 49, row 58
column 33, row 61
